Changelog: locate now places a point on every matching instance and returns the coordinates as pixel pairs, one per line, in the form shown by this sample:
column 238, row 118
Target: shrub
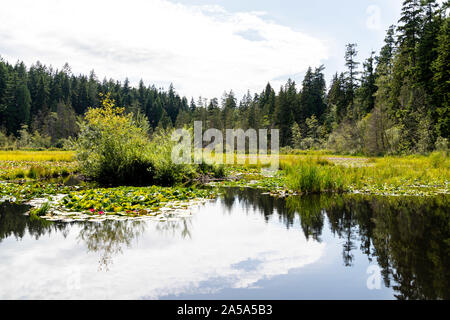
column 114, row 148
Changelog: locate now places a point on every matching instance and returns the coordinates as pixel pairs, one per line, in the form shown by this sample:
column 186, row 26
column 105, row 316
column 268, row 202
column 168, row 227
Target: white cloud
column 201, row 50
column 158, row 264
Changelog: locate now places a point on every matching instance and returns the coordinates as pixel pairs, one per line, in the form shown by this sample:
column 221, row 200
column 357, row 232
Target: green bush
column 114, row 148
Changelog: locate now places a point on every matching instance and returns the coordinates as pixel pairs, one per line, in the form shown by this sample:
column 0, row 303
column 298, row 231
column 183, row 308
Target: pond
column 243, row 245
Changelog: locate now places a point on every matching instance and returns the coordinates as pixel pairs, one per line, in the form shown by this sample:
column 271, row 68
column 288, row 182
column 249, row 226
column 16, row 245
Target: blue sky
column 203, row 47
column 336, row 22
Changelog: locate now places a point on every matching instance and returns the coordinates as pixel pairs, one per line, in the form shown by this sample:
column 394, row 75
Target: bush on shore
column 115, row 148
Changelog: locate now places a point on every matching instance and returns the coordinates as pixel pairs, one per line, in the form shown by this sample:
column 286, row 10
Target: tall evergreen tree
column 441, row 80
column 336, row 96
column 368, row 87
column 409, row 29
column 384, row 60
column 351, row 80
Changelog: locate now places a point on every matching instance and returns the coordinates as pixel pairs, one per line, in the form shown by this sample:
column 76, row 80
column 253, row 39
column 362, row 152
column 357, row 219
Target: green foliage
column 130, row 200
column 15, row 192
column 41, row 211
column 115, row 148
column 441, row 144
column 314, row 177
column 399, row 104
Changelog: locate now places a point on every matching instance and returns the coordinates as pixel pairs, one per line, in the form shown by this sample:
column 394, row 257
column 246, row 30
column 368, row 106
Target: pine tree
column 441, row 80
column 286, row 103
column 351, row 80
column 368, row 87
column 427, row 43
column 312, row 98
column 384, row 60
column 336, row 96
column 3, row 84
column 411, row 20
column 18, row 102
column 142, row 95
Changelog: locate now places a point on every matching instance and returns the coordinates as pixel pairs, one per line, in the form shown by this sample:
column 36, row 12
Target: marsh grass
column 13, row 170
column 41, row 211
column 314, row 177
column 387, row 174
column 39, row 156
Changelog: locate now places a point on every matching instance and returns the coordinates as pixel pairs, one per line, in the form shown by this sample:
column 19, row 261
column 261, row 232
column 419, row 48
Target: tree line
column 396, row 101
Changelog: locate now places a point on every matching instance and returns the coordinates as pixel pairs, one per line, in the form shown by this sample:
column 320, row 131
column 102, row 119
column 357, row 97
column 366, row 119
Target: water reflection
column 408, row 237
column 14, row 222
column 109, row 237
column 224, row 245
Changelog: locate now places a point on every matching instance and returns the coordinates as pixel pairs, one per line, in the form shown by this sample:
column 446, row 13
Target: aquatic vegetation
column 311, row 178
column 298, row 174
column 20, row 192
column 133, row 201
column 411, row 175
column 41, row 211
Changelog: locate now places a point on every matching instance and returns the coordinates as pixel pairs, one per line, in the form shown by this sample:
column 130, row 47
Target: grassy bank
column 417, row 175
column 410, row 175
column 299, row 173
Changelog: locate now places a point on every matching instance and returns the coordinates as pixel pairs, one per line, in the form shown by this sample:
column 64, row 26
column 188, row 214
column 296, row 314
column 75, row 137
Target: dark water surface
column 244, row 245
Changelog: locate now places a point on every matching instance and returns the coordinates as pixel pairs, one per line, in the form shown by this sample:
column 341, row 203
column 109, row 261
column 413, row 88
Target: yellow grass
column 285, row 159
column 64, row 156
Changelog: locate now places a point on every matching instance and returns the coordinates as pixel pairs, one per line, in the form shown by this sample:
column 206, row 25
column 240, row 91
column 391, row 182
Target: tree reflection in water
column 109, row 237
column 409, row 237
column 14, row 222
column 175, row 227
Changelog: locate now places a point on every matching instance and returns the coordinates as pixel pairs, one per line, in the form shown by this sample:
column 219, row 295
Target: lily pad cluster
column 17, row 192
column 132, row 201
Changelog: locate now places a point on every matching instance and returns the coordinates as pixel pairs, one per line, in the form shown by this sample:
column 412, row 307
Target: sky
column 202, row 47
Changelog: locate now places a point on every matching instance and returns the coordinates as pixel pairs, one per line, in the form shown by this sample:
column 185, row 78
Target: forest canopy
column 393, row 102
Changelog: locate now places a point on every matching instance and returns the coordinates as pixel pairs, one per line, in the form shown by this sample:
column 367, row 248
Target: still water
column 243, row 245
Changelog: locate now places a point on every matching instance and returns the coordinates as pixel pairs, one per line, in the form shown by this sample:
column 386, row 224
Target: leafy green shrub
column 114, row 148
column 166, row 172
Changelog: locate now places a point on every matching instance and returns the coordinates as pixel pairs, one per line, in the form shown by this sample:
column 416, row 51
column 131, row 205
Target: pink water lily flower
column 91, row 210
column 100, row 212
